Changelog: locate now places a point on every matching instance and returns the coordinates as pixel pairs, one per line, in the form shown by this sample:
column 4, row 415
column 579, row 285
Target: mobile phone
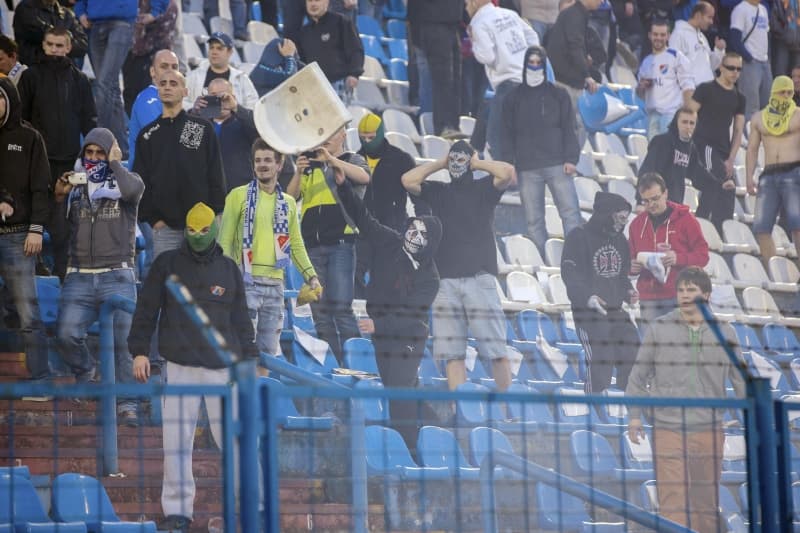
column 77, row 178
column 213, row 107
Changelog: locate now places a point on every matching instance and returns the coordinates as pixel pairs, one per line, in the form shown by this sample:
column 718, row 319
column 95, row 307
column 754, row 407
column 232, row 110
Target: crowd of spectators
column 179, row 157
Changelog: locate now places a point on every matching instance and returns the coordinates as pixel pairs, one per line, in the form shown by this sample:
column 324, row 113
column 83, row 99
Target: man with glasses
column 778, row 127
column 670, row 230
column 720, row 104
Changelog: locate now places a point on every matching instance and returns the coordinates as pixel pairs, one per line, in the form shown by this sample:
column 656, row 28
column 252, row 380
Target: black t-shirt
column 467, row 214
column 719, row 107
column 211, row 76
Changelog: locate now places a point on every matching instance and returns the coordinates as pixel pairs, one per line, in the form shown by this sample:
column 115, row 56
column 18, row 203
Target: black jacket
column 32, row 18
column 236, row 136
column 395, row 287
column 25, row 175
column 675, row 160
column 333, row 43
column 57, row 100
column 180, row 163
column 435, row 11
column 596, row 259
column 215, row 283
column 385, row 196
column 540, row 126
column 567, row 47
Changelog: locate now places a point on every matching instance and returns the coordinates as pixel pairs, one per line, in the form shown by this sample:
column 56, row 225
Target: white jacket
column 243, row 89
column 500, row 38
column 694, row 45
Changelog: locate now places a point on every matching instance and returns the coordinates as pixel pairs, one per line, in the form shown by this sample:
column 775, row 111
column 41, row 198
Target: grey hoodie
column 674, row 366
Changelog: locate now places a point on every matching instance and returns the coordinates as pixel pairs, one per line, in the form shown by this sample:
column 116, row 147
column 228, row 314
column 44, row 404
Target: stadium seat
column 192, row 51
column 20, row 506
column 398, row 48
column 192, row 24
column 783, row 246
column 522, row 287
column 472, row 413
column 359, row 354
column 637, row 456
column 552, row 252
column 218, row 23
column 763, row 367
column 720, row 273
column 357, row 112
column 749, row 269
column 557, row 292
column 466, row 125
column 715, row 243
column 398, row 69
column 747, row 337
column 373, row 47
column 17, row 470
column 48, row 291
column 483, row 442
column 438, row 447
column 726, row 305
column 552, row 220
column 691, row 198
column 781, row 342
column 783, row 270
column 532, row 324
column 394, row 9
column 376, row 410
column 373, row 70
column 81, row 498
column 426, row 123
column 396, row 29
column 369, row 26
column 648, row 495
column 353, row 140
column 735, row 232
column 286, row 412
column 761, row 305
column 616, row 167
column 429, row 374
column 586, row 188
column 593, row 457
column 260, row 33
column 304, row 359
column 397, row 94
column 611, row 413
column 559, row 511
column 525, row 256
column 587, row 166
column 624, row 189
column 734, row 458
column 368, row 94
column 398, row 121
column 387, row 455
column 253, row 50
column 731, row 512
column 404, row 142
column 611, row 143
column 637, row 146
column 434, row 147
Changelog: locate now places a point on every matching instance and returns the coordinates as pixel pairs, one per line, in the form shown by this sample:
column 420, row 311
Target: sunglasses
column 732, row 68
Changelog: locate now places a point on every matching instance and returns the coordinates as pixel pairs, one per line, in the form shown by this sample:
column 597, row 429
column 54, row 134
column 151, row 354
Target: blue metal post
column 247, row 384
column 767, row 483
column 269, row 460
column 108, row 402
column 783, row 431
column 228, row 463
column 358, row 466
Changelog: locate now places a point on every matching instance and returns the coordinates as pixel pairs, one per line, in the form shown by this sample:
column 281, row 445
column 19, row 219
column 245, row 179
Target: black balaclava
column 421, row 249
column 606, row 206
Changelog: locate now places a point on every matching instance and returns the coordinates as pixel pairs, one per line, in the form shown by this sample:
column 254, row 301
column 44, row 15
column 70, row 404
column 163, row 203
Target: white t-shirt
column 671, row 74
column 743, row 18
column 500, row 39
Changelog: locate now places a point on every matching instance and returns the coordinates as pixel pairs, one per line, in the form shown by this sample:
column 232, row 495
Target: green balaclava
column 199, row 217
column 371, row 123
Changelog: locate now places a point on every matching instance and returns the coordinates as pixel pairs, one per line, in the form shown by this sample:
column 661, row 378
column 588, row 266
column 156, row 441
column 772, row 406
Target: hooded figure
column 781, row 107
column 594, row 266
column 403, row 284
column 676, row 158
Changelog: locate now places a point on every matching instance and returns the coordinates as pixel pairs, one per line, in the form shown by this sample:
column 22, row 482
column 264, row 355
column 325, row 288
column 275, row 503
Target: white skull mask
column 457, row 164
column 416, row 238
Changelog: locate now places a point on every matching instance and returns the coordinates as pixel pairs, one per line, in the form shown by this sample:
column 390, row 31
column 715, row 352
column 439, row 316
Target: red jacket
column 682, row 231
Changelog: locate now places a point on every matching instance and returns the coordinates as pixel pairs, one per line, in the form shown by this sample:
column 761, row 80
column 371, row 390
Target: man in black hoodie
column 33, row 17
column 402, row 287
column 57, row 100
column 674, row 156
column 540, row 141
column 594, row 265
column 24, row 209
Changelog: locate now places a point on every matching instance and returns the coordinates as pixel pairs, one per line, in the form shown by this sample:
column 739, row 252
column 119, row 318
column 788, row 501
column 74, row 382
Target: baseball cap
column 222, row 37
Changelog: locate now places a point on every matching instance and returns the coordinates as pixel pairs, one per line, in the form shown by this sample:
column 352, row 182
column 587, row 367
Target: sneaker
column 175, row 523
column 128, row 418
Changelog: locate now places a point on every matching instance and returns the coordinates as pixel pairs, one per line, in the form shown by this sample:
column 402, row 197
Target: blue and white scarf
column 280, row 230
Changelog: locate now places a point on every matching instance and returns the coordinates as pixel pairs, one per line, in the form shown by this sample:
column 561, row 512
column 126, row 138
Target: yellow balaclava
column 199, row 217
column 779, row 111
column 371, row 123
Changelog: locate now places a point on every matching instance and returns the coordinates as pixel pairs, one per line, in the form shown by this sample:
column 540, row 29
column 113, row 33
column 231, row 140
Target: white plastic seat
column 586, row 166
column 522, row 253
column 737, row 233
column 610, row 143
column 783, row 270
column 503, row 267
column 758, row 302
column 522, row 287
column 691, row 197
column 726, row 305
column 253, row 50
column 509, row 305
column 261, row 32
column 466, row 125
column 368, row 94
column 616, row 167
column 719, row 272
column 221, row 24
column 398, row 121
column 192, row 23
column 637, row 146
column 712, row 237
column 552, row 252
column 357, row 112
column 373, row 70
column 552, row 220
column 194, row 54
column 353, row 140
column 586, row 188
column 783, row 246
column 402, row 141
column 434, row 147
column 557, row 290
column 426, row 123
column 748, row 268
column 624, row 189
column 397, row 94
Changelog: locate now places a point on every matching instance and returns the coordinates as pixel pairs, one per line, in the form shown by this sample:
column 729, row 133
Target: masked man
column 594, row 265
column 466, row 259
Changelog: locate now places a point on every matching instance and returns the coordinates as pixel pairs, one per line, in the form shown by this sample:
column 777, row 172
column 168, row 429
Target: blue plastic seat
column 747, row 336
column 376, row 410
column 731, row 512
column 288, row 416
column 639, row 457
column 387, row 455
column 472, row 413
column 373, row 48
column 396, row 29
column 648, row 496
column 781, row 343
column 369, row 26
column 398, row 48
column 532, row 323
column 483, row 442
column 307, row 362
column 438, row 447
column 80, row 498
column 593, row 109
column 559, row 511
column 398, row 69
column 48, row 291
column 359, row 354
column 593, row 457
column 428, row 373
column 20, row 506
column 395, row 9
column 19, row 470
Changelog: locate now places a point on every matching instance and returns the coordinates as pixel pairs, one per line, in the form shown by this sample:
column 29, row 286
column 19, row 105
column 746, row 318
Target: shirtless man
column 778, row 126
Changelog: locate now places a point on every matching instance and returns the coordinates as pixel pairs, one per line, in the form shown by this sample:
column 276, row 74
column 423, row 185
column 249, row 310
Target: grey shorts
column 468, row 307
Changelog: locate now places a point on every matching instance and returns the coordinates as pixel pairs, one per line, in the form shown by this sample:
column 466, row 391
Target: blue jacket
column 146, row 108
column 98, row 10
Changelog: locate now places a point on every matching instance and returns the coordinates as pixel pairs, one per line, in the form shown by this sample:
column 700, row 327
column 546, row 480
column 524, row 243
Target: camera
column 77, row 178
column 213, row 107
column 311, row 164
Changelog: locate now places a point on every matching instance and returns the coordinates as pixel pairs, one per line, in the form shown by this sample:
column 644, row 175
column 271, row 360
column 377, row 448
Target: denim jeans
column 81, row 298
column 18, row 271
column 109, row 44
column 265, row 306
column 495, row 124
column 333, row 314
column 755, row 84
column 565, row 196
column 776, row 190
